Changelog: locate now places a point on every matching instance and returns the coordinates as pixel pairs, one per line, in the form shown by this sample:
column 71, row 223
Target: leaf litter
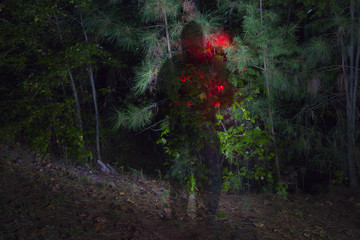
column 47, row 200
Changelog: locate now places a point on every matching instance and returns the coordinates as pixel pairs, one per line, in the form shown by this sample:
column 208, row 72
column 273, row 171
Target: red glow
column 184, row 78
column 222, row 40
column 208, row 48
column 201, row 74
column 220, row 88
column 214, row 42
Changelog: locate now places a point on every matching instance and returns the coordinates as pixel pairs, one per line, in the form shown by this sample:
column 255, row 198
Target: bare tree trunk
column 77, row 103
column 167, row 35
column 356, row 80
column 91, row 77
column 351, row 95
column 350, row 67
column 92, row 82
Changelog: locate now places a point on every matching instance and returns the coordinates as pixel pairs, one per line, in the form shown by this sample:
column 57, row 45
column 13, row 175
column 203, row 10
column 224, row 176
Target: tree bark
column 351, row 84
column 77, row 103
column 167, row 35
column 92, row 81
column 93, row 88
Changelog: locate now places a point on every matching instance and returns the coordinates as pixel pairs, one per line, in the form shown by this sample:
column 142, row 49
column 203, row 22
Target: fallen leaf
column 318, row 228
column 236, row 211
column 307, row 235
column 259, row 225
column 99, row 226
column 83, row 214
column 130, row 201
column 100, row 219
column 266, row 202
column 123, row 208
column 50, row 206
column 122, row 193
column 167, row 212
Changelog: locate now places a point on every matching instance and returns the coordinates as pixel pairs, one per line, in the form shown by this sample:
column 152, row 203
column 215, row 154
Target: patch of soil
column 45, row 199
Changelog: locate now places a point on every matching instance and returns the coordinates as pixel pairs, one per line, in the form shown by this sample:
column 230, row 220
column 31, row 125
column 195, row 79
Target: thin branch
column 151, row 127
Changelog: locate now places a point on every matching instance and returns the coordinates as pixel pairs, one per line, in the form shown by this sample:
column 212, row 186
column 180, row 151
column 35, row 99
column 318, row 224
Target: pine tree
column 334, row 45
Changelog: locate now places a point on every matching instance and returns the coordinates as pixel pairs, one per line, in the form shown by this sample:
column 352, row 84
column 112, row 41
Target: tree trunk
column 167, row 35
column 77, row 103
column 91, row 77
column 92, row 82
column 351, row 80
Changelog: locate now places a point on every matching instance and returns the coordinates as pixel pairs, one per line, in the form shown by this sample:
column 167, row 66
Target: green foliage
column 234, row 181
column 48, row 46
column 245, row 140
column 181, row 160
column 135, row 118
column 153, row 10
column 318, row 51
column 221, row 214
column 61, row 130
column 281, row 190
column 285, row 60
column 209, row 22
column 244, row 145
column 146, row 76
column 338, row 178
column 184, row 166
column 113, row 28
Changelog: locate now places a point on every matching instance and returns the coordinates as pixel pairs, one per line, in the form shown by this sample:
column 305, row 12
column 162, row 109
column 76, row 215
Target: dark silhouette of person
column 194, row 83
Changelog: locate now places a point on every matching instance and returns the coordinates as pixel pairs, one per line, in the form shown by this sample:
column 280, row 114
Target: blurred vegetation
column 294, row 65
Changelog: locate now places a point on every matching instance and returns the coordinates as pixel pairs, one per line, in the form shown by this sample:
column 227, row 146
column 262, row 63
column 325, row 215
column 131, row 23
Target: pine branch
column 134, row 118
column 115, row 30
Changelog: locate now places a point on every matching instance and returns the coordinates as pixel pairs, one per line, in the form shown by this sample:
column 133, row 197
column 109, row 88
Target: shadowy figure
column 194, row 83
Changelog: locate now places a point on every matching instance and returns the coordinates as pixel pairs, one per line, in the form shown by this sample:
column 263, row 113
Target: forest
column 80, row 93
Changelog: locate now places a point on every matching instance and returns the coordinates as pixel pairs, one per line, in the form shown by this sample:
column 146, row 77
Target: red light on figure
column 220, row 88
column 222, row 40
column 208, row 48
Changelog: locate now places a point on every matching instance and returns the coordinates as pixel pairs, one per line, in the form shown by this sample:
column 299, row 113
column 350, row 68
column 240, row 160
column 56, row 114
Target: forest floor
column 44, row 199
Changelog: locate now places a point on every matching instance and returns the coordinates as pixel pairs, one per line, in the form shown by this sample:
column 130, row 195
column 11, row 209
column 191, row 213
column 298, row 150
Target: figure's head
column 192, row 40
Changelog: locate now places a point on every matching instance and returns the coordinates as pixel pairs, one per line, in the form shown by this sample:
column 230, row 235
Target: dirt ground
column 43, row 199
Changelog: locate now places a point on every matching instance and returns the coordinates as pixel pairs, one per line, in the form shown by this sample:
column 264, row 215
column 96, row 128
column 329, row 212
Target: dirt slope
column 48, row 200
